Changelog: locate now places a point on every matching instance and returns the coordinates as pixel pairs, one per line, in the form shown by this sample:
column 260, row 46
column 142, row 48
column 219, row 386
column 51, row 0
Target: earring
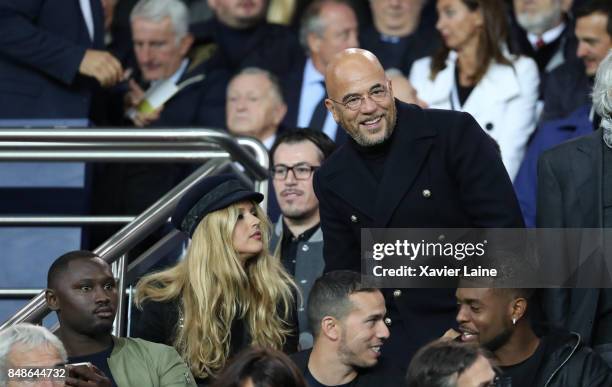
column 513, row 320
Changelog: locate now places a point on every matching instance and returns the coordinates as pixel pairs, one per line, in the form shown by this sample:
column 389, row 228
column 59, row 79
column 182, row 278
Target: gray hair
column 312, row 22
column 274, row 82
column 158, row 10
column 602, row 96
column 29, row 336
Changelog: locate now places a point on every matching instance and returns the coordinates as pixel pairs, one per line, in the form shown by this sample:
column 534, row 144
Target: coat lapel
column 587, row 171
column 412, row 141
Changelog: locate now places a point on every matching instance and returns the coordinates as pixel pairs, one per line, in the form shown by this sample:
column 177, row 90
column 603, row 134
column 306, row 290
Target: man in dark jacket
column 574, row 191
column 163, row 49
column 244, row 39
column 498, row 320
column 51, row 58
column 404, row 167
column 594, row 34
column 348, row 322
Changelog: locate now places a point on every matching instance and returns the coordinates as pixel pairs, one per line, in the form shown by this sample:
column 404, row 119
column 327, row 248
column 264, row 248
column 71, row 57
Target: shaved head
column 342, row 67
column 356, row 74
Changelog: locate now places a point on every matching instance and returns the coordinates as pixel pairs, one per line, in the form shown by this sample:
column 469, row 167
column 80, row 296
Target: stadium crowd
column 376, row 114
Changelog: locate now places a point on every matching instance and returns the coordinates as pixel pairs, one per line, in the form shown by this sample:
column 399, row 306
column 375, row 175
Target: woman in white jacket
column 473, row 72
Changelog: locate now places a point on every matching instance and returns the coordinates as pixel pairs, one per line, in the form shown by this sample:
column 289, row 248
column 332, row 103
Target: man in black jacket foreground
column 349, row 329
column 498, row 320
column 404, row 167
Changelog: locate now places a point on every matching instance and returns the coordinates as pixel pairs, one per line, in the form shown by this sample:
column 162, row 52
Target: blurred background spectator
column 474, row 72
column 255, row 105
column 543, row 30
column 52, row 59
column 397, row 35
column 261, row 367
column 327, row 27
column 568, row 111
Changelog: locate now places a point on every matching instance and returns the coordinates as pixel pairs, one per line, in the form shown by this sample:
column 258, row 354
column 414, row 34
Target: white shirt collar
column 311, row 74
column 177, row 74
column 88, row 17
column 548, row 36
column 268, row 142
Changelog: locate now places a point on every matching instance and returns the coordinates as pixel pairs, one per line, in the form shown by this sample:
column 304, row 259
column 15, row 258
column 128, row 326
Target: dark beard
column 498, row 341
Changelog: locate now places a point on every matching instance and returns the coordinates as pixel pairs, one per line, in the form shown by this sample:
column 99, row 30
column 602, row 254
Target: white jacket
column 503, row 102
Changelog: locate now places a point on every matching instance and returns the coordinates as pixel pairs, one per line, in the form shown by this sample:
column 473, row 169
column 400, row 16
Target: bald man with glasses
column 404, row 167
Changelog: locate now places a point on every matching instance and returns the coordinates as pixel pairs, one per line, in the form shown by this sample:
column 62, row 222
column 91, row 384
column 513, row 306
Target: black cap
column 209, row 195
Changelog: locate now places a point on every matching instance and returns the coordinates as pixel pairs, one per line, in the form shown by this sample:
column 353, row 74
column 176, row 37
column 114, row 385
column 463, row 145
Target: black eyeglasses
column 378, row 94
column 300, row 171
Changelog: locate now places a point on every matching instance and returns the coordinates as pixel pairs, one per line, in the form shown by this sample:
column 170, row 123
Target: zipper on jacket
column 565, row 361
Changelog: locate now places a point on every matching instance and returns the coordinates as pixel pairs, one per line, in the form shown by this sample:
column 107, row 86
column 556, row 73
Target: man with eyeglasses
column 297, row 239
column 404, row 167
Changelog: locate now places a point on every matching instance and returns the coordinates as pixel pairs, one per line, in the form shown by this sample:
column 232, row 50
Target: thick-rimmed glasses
column 353, row 102
column 300, row 171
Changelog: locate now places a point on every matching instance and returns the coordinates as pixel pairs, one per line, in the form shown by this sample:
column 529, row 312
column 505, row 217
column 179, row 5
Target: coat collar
column 500, row 83
column 278, row 231
column 411, row 143
column 587, row 170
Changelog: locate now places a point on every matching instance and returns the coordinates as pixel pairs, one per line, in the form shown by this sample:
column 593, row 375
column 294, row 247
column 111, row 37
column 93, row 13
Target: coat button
column 303, row 281
column 489, row 126
column 354, row 219
column 388, row 321
column 397, row 293
column 305, row 248
column 426, row 193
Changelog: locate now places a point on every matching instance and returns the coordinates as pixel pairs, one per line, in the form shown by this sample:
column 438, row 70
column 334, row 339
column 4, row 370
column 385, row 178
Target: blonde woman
column 228, row 292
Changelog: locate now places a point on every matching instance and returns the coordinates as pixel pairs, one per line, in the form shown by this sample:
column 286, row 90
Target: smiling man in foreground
column 498, row 320
column 347, row 320
column 404, row 167
column 83, row 292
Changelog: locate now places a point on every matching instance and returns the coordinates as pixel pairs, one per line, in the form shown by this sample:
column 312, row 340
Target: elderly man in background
column 254, row 105
column 575, row 191
column 542, row 31
column 24, row 347
column 163, row 48
column 166, row 59
column 327, row 27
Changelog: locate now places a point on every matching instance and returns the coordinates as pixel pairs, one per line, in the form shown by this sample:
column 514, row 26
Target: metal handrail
column 63, row 220
column 158, row 213
column 125, row 136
